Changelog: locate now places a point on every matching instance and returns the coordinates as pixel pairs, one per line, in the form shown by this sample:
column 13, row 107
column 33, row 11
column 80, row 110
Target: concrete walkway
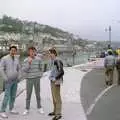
column 72, row 107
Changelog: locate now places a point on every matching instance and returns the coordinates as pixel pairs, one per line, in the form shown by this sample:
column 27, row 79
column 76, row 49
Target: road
column 99, row 101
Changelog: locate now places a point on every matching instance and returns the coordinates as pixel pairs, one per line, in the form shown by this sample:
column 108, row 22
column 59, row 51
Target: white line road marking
column 90, row 109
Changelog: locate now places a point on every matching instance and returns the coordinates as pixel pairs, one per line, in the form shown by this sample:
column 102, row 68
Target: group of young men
column 33, row 68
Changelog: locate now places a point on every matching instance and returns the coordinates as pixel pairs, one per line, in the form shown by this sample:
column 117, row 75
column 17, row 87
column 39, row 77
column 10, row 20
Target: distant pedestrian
column 33, row 68
column 109, row 64
column 118, row 69
column 56, row 77
column 118, row 51
column 110, row 49
column 10, row 71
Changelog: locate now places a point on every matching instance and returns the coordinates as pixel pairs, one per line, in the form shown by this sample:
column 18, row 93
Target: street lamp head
column 109, row 28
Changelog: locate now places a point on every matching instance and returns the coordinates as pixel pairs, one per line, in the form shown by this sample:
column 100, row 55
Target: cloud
column 78, row 16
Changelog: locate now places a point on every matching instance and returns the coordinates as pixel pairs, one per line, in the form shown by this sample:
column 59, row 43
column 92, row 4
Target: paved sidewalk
column 98, row 64
column 72, row 108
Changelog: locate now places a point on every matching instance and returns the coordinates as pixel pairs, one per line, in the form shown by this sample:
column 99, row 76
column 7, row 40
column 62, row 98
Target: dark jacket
column 118, row 63
column 59, row 66
column 57, row 71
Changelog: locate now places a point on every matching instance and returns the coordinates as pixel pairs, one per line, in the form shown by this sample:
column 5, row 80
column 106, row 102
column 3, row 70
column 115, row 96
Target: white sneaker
column 26, row 112
column 3, row 115
column 14, row 112
column 41, row 111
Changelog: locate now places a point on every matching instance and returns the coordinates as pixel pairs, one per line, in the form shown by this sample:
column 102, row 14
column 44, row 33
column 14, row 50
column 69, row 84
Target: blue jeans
column 9, row 96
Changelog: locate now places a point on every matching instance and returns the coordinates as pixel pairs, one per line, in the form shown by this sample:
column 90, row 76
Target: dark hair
column 32, row 48
column 13, row 47
column 53, row 51
column 110, row 53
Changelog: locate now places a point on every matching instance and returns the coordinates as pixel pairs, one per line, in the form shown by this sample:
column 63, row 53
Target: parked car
column 92, row 58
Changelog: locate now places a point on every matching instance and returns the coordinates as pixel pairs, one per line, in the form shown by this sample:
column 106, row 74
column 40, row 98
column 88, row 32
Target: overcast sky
column 86, row 18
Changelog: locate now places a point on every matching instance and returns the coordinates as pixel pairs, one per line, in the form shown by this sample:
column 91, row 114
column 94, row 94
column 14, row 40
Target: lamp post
column 110, row 35
column 109, row 30
column 73, row 54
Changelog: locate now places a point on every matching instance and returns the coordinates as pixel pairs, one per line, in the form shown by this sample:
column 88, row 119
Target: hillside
column 30, row 29
column 9, row 24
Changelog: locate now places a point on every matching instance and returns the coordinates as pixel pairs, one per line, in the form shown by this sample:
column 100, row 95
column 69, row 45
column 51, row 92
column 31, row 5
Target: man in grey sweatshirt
column 10, row 71
column 33, row 68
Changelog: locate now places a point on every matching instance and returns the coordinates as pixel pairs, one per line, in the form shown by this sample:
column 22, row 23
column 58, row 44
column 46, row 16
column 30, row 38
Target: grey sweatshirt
column 9, row 68
column 35, row 70
column 109, row 61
